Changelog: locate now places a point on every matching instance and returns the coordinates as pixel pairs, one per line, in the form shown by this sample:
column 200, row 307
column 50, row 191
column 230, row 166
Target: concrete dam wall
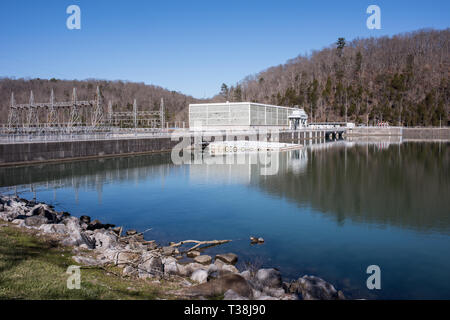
column 426, row 133
column 405, row 133
column 19, row 153
column 41, row 151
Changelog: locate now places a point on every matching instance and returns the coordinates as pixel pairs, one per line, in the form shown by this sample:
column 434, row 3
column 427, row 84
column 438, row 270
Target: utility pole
column 161, row 113
column 346, row 101
column 135, row 115
column 110, row 112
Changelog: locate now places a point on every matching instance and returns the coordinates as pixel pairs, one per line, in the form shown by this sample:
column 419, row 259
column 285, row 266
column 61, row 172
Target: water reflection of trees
column 90, row 174
column 404, row 185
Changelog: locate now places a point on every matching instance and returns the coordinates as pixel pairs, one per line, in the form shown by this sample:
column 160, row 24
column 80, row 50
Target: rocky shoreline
column 200, row 277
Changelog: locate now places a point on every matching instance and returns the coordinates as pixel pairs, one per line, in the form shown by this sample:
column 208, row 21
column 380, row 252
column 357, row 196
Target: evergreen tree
column 224, row 91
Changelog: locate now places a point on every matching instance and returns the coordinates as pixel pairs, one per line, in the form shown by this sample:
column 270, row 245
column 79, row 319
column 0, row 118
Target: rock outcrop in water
column 98, row 244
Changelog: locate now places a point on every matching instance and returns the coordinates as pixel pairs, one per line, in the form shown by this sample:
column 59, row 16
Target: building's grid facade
column 238, row 115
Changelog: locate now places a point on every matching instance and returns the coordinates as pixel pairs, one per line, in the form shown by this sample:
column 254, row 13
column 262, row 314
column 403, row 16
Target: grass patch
column 35, row 268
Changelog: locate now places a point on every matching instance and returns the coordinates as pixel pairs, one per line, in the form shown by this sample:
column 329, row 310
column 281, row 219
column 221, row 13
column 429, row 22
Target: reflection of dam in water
column 388, row 183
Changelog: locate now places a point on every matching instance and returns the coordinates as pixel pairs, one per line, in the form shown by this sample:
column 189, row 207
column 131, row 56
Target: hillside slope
column 402, row 79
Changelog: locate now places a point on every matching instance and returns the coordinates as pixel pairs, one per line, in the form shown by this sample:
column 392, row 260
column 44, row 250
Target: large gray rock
column 72, row 224
column 268, row 278
column 36, row 221
column 171, row 268
column 168, row 251
column 231, row 295
column 315, row 288
column 201, row 276
column 82, row 240
column 13, row 208
column 183, row 271
column 246, row 275
column 203, row 259
column 126, row 257
column 219, row 264
column 228, row 258
column 219, row 286
column 193, row 266
column 44, row 211
column 58, row 228
column 75, row 235
column 212, row 268
column 152, row 265
column 19, row 222
column 229, row 268
column 274, row 292
column 167, row 260
column 105, row 239
column 193, row 254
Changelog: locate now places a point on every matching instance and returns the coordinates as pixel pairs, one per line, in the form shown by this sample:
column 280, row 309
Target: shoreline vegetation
column 38, row 244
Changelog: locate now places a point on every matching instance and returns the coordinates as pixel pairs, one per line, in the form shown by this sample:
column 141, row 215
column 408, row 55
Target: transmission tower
column 110, row 113
column 75, row 118
column 33, row 115
column 97, row 115
column 13, row 116
column 51, row 117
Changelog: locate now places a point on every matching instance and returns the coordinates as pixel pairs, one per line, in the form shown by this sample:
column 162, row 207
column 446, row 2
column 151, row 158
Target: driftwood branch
column 199, row 243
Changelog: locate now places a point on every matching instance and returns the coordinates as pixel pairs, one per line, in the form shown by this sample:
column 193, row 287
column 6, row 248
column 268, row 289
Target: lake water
column 329, row 210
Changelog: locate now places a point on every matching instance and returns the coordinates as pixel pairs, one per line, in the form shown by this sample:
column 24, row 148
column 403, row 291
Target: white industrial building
column 243, row 116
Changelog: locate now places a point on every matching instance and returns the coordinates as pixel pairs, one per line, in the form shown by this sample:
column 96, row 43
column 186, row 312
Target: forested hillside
column 401, row 79
column 121, row 94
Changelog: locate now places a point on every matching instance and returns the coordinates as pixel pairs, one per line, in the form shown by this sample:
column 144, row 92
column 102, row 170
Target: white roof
column 239, row 103
column 299, row 113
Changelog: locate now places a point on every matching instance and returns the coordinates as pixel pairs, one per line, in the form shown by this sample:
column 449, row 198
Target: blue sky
column 188, row 46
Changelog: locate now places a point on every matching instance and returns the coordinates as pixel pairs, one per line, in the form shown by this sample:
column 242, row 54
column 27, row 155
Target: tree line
column 120, row 93
column 402, row 80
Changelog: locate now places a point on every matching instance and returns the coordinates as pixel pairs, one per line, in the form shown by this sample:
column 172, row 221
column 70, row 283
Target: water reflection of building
column 381, row 142
column 298, row 160
column 245, row 168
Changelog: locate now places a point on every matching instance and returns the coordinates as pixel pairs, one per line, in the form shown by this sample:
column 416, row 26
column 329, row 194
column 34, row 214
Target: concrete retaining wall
column 375, row 131
column 20, row 153
column 426, row 133
column 406, row 133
